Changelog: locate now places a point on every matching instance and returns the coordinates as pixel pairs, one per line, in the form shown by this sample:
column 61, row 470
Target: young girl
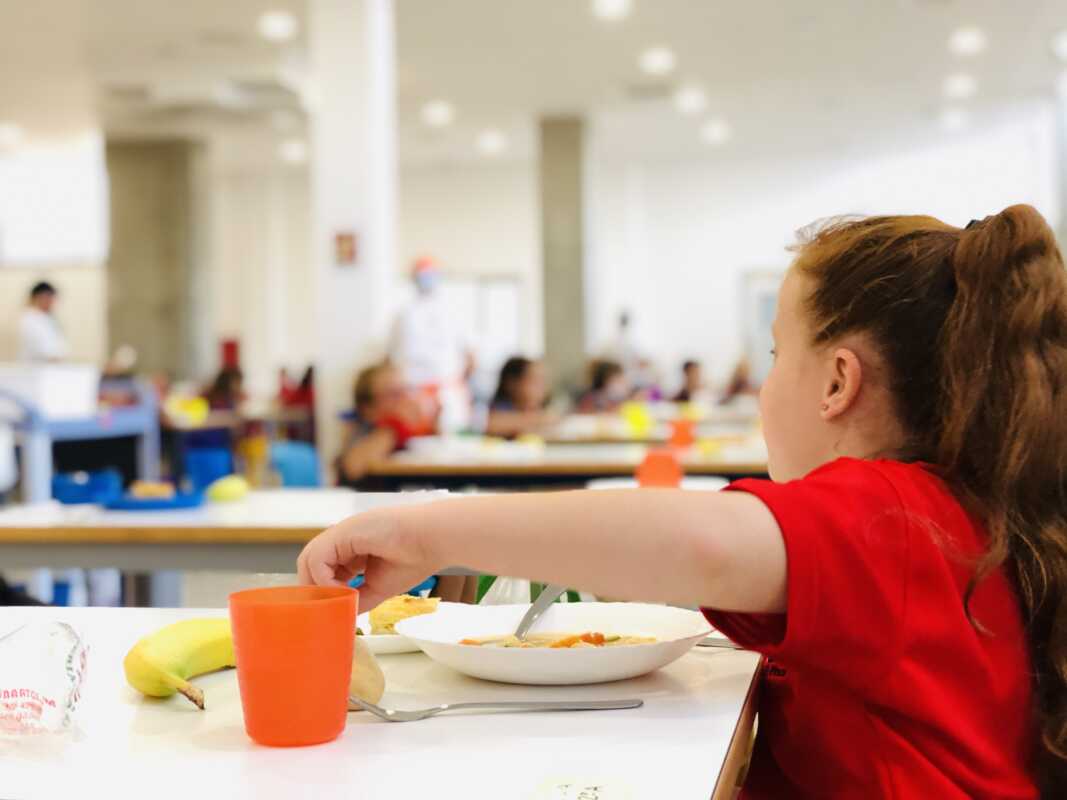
column 608, row 388
column 518, row 406
column 904, row 573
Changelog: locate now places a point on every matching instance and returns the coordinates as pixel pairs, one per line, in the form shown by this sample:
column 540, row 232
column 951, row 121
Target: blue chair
column 296, row 462
column 205, row 465
column 94, row 487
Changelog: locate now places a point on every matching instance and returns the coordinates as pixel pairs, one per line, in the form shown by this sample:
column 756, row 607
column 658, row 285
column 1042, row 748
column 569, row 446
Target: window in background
column 759, row 306
column 54, row 204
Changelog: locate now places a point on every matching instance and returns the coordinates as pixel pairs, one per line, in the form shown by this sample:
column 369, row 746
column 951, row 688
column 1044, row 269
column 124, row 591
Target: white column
column 353, row 184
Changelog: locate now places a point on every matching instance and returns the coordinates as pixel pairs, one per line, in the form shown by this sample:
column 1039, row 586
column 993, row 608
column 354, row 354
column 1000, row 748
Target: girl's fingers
column 322, row 574
column 343, row 551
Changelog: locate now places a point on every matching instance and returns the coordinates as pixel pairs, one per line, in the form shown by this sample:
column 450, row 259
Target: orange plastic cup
column 661, row 469
column 682, row 433
column 293, row 647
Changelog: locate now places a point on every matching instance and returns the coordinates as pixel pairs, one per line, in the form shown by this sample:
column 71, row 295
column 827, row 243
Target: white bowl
column 676, row 630
column 699, row 483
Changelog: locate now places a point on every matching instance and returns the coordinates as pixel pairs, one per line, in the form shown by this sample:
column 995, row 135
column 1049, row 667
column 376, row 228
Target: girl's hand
column 375, row 544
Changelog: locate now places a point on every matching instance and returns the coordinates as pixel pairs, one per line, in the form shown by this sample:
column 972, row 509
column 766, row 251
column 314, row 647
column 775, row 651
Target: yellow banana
column 161, row 663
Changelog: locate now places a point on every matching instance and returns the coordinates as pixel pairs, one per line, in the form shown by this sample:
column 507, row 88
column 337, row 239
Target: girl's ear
column 843, row 380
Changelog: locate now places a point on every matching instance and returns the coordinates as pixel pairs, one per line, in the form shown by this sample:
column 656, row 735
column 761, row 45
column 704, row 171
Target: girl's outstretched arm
column 717, row 549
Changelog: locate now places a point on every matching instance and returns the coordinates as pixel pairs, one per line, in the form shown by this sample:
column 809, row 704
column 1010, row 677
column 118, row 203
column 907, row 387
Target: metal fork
column 722, row 644
column 392, row 715
column 549, row 595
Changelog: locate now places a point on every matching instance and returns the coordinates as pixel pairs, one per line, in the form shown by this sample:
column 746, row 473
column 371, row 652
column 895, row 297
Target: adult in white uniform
column 41, row 340
column 40, row 337
column 429, row 349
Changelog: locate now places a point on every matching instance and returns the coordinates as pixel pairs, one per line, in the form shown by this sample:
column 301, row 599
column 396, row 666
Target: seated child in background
column 387, row 414
column 226, row 392
column 608, row 388
column 740, row 384
column 645, row 382
column 693, row 383
column 518, row 406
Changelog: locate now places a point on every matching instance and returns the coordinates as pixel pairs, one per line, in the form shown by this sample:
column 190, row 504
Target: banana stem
column 193, row 693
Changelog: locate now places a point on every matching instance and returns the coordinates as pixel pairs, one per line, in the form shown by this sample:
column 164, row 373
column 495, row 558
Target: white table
column 614, row 429
column 126, row 746
column 451, row 463
column 262, row 533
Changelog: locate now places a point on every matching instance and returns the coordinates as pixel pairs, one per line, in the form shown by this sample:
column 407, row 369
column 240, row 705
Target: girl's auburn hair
column 972, row 325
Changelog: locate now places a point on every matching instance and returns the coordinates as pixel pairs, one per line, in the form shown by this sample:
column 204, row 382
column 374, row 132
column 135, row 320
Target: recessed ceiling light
column 716, row 131
column 612, row 9
column 293, row 151
column 277, row 26
column 657, row 60
column 954, row 119
column 959, row 86
column 690, row 99
column 438, row 113
column 492, row 142
column 967, row 41
column 1059, row 45
column 11, row 135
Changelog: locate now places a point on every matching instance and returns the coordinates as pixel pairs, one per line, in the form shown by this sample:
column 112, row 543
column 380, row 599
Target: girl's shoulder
column 885, row 469
column 915, row 487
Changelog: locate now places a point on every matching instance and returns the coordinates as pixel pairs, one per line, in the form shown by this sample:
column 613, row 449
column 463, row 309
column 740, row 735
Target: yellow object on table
column 383, row 619
column 145, row 490
column 690, row 411
column 708, row 447
column 367, row 681
column 227, row 489
column 191, row 411
column 160, row 664
column 254, row 451
column 638, row 419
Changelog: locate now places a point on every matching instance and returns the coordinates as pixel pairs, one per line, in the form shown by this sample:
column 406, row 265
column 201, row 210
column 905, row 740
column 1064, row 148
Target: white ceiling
column 787, row 74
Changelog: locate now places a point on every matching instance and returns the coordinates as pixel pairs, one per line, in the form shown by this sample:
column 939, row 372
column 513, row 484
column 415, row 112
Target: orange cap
column 425, row 264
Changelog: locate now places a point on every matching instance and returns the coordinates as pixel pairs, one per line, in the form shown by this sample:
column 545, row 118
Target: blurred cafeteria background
column 268, row 246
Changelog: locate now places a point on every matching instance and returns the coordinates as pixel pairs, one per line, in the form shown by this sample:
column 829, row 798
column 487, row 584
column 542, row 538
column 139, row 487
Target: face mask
column 426, row 282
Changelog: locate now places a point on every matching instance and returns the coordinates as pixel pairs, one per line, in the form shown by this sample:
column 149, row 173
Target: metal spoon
column 392, row 715
column 548, row 596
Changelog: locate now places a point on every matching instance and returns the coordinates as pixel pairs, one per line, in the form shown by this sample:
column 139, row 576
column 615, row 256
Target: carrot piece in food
column 566, row 641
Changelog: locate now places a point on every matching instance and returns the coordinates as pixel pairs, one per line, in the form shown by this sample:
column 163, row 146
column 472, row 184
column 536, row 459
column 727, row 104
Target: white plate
column 676, row 630
column 383, row 644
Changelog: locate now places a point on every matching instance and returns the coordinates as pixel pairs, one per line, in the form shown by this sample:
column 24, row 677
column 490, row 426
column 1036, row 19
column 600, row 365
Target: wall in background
column 673, row 241
column 155, row 292
column 478, row 220
column 651, row 227
column 262, row 288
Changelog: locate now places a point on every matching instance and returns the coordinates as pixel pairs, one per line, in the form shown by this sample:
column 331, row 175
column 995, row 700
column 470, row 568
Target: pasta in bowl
column 643, row 638
column 559, row 640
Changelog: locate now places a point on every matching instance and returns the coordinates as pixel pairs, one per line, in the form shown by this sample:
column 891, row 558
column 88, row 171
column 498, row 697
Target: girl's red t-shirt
column 876, row 684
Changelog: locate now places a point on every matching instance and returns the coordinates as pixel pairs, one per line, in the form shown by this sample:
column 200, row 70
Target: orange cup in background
column 682, row 433
column 660, row 469
column 293, row 647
